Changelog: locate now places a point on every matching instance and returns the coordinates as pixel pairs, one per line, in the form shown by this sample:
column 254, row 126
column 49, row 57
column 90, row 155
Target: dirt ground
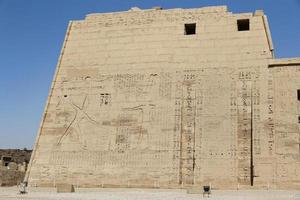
column 7, row 193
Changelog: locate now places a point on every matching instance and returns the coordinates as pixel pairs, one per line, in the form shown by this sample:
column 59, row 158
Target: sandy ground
column 7, row 193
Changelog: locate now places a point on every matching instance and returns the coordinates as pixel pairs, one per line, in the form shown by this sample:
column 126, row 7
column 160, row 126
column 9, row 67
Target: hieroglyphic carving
column 256, row 117
column 130, row 131
column 198, row 144
column 233, row 116
column 188, row 113
column 244, row 108
column 271, row 129
column 134, row 87
column 247, row 116
column 122, row 139
column 177, row 128
column 105, row 99
column 165, row 86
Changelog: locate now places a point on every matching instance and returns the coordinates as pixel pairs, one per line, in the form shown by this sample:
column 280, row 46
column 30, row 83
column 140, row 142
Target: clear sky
column 31, row 36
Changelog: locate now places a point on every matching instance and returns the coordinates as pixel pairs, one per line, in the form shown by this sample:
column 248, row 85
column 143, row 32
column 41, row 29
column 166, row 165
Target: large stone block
column 64, row 188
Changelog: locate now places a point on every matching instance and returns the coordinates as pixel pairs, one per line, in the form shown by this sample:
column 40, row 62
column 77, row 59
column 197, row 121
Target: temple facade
column 170, row 99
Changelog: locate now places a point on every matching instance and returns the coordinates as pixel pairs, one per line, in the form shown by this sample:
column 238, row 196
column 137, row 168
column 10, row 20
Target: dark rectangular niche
column 243, row 24
column 190, row 29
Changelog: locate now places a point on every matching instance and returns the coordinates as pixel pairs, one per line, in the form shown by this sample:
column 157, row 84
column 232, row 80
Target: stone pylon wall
column 137, row 103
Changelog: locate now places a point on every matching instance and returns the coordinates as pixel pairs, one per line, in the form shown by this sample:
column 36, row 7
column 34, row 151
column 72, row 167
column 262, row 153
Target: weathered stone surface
column 10, row 177
column 137, row 103
column 18, row 156
column 64, row 188
column 13, row 164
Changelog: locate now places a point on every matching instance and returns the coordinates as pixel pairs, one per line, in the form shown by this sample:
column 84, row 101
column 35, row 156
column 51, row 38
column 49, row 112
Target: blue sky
column 32, row 32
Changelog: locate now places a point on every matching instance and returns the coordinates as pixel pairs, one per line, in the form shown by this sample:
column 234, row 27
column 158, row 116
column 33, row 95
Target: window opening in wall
column 190, row 29
column 298, row 119
column 6, row 159
column 298, row 95
column 243, row 24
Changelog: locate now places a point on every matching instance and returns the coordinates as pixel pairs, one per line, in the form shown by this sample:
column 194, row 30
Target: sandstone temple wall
column 136, row 102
